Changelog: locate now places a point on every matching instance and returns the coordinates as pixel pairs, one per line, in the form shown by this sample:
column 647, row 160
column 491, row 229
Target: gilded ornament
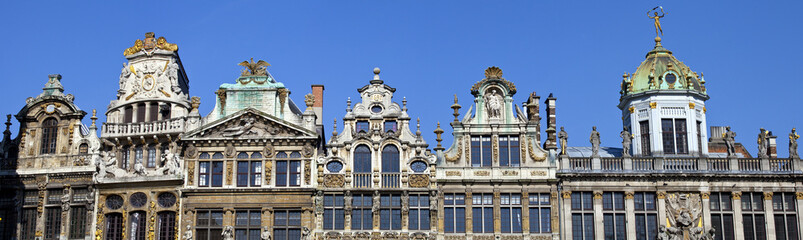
column 307, row 172
column 309, row 99
column 691, row 105
column 482, row 173
column 510, row 173
column 252, row 68
column 661, row 195
column 268, row 171
column 229, row 170
column 768, row 195
column 738, row 195
column 493, row 73
column 705, row 195
column 190, row 172
column 419, row 180
column 164, row 93
column 334, row 180
column 597, row 195
column 631, row 109
column 468, row 149
column 532, row 153
column 134, row 49
column 221, row 95
column 653, row 105
column 282, row 97
column 162, row 43
column 456, row 156
column 799, row 195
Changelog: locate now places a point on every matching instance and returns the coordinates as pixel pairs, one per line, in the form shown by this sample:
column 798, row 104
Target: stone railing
column 391, row 180
column 174, row 125
column 680, row 164
column 362, row 180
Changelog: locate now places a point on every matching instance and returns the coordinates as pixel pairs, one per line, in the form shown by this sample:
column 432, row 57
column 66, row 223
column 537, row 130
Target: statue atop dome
column 658, row 31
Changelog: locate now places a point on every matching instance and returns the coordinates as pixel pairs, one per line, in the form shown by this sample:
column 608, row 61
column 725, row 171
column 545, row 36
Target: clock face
column 418, row 166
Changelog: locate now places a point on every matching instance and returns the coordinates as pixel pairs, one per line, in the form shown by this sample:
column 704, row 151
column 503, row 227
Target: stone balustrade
column 680, row 164
column 174, row 125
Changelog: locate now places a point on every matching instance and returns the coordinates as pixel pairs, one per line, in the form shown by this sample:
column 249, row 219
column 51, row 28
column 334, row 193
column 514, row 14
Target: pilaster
column 738, row 227
column 661, row 195
column 599, row 229
column 705, row 197
column 630, row 215
column 566, row 227
column 768, row 215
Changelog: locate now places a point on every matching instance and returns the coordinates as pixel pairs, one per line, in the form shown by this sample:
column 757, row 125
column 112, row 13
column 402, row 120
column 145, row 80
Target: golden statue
column 254, row 68
column 657, row 18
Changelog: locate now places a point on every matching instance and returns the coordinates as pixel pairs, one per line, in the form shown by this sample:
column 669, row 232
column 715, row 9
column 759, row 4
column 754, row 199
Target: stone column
column 147, row 111
column 566, row 224
column 661, row 195
column 769, row 215
column 599, row 229
column 497, row 212
column 799, row 199
column 704, row 196
column 469, row 213
column 135, row 113
column 738, row 226
column 525, row 212
column 630, row 208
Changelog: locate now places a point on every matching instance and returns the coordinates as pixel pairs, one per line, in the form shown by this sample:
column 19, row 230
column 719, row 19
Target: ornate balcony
column 175, row 125
column 680, row 165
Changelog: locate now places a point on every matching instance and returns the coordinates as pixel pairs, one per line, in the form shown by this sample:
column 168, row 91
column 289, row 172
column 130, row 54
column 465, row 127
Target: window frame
column 752, row 206
column 646, row 214
column 334, row 211
column 675, row 136
column 451, row 209
column 390, row 206
column 361, row 210
column 644, row 131
column 784, row 208
column 583, row 210
column 287, row 227
column 510, row 203
column 141, row 230
column 482, row 208
column 251, row 224
column 537, row 205
column 207, row 226
column 49, row 139
column 419, row 215
column 614, row 215
column 509, row 151
column 721, row 208
column 481, row 151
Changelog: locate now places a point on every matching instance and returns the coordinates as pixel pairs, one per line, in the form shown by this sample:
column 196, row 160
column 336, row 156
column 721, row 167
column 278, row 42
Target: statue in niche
column 563, row 137
column 494, row 104
column 594, row 139
column 762, row 141
column 627, row 140
column 188, row 232
column 305, row 233
column 65, row 202
column 265, row 235
column 243, row 128
column 228, row 233
column 730, row 141
column 793, row 136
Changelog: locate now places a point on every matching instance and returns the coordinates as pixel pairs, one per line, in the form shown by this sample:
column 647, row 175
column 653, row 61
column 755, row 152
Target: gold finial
column 94, row 116
column 438, row 131
column 657, row 22
column 493, row 73
column 255, row 68
column 149, row 44
column 456, row 108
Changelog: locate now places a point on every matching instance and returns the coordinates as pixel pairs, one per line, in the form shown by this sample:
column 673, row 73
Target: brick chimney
column 551, row 124
column 317, row 92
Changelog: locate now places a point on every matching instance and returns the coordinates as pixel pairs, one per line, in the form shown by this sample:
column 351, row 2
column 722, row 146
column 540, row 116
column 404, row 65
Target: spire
column 7, row 132
column 418, row 127
column 334, row 129
column 404, row 104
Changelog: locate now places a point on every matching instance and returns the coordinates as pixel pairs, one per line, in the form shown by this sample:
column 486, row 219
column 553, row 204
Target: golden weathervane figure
column 656, row 17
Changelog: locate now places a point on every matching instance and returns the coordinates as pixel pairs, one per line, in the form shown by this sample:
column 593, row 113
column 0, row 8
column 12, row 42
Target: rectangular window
column 509, row 151
column 334, row 216
column 361, row 215
column 753, row 221
column 482, row 213
column 510, row 212
column 151, row 157
column 418, row 217
column 481, row 153
column 77, row 222
column 674, row 136
column 390, row 126
column 126, row 156
column 454, row 211
column 137, row 225
column 644, row 131
column 141, row 112
column 128, row 115
column 203, row 174
column 209, row 224
column 247, row 224
column 287, row 225
column 721, row 207
column 613, row 215
column 487, row 152
column 166, row 226
column 217, row 174
column 390, row 212
column 288, row 173
column 31, row 197
column 362, row 126
column 138, row 155
column 153, row 112
column 784, row 209
column 540, row 213
column 52, row 223
column 646, row 215
column 582, row 216
column 242, row 173
column 28, row 224
column 54, row 196
column 114, row 226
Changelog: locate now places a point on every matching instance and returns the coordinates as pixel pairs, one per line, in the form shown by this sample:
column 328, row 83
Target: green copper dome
column 661, row 71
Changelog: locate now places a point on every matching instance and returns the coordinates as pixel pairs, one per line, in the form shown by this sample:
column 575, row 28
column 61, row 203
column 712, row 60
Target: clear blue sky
column 428, row 50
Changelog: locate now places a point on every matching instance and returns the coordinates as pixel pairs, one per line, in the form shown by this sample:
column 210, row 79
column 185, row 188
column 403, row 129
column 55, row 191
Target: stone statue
column 762, row 141
column 108, row 165
column 347, row 200
column 90, row 197
column 228, row 233
column 594, row 139
column 244, row 128
column 170, row 164
column 319, row 202
column 305, row 233
column 657, row 18
column 405, row 201
column 696, row 233
column 710, row 235
column 139, row 169
column 265, row 235
column 255, row 68
column 730, row 141
column 188, row 233
column 662, row 233
column 563, row 136
column 494, row 104
column 375, row 207
column 65, row 202
column 793, row 144
column 627, row 139
column 433, row 200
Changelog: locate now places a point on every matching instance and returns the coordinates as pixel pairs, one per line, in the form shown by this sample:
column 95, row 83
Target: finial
column 657, row 22
column 334, row 128
column 418, row 127
column 348, row 104
column 455, row 98
column 376, row 73
column 404, row 104
column 625, row 75
column 94, row 116
column 456, row 108
column 438, row 131
column 8, row 122
column 309, row 99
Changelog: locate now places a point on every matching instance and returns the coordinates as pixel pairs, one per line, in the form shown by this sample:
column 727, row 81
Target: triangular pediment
column 249, row 123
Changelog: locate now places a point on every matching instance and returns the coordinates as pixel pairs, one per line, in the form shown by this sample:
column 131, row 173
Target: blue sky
column 428, row 50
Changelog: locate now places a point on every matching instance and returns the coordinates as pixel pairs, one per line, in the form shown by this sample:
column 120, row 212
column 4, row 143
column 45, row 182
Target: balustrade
column 749, row 164
column 780, row 165
column 391, row 180
column 611, row 163
column 362, row 180
column 175, row 125
column 580, row 163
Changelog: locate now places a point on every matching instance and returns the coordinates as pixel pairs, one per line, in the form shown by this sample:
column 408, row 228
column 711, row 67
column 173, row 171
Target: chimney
column 533, row 113
column 773, row 148
column 317, row 92
column 551, row 124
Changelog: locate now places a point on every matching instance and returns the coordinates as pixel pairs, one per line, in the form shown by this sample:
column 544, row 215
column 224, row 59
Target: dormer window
column 49, row 133
column 390, row 126
column 362, row 126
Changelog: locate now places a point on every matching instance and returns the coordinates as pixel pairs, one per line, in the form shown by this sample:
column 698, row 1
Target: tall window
column 151, row 156
column 217, row 170
column 153, row 112
column 137, row 225
column 126, row 156
column 481, row 151
column 362, row 166
column 52, row 222
column 208, row 224
column 418, row 218
column 114, row 226
column 390, row 126
column 166, row 224
column 722, row 214
column 454, row 212
column 509, row 151
column 362, row 126
column 50, row 131
column 138, row 155
column 390, row 167
column 247, row 224
column 540, row 213
column 203, row 170
column 390, row 212
column 141, row 112
column 783, row 206
column 482, row 213
column 674, row 136
column 361, row 215
column 334, row 216
column 287, row 225
column 128, row 114
column 699, row 138
column 753, row 216
column 77, row 222
column 613, row 207
column 644, row 131
column 28, row 224
column 510, row 212
column 582, row 216
column 249, row 173
column 646, row 215
column 288, row 172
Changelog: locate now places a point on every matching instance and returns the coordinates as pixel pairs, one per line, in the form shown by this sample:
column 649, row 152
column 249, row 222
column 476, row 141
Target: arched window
column 114, row 226
column 83, row 148
column 390, row 159
column 362, row 159
column 49, row 135
column 138, row 225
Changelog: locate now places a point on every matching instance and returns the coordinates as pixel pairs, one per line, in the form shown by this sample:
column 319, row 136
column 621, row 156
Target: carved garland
column 229, row 165
column 419, row 180
column 190, row 172
column 99, row 228
column 282, row 97
column 307, row 174
column 495, row 147
column 468, row 149
column 456, row 156
column 532, row 153
column 524, row 150
column 268, row 170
